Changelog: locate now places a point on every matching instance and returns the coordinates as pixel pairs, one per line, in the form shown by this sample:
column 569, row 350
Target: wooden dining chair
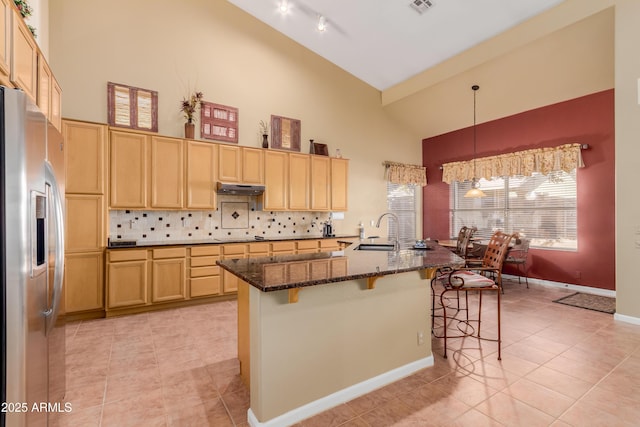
column 449, row 284
column 464, row 240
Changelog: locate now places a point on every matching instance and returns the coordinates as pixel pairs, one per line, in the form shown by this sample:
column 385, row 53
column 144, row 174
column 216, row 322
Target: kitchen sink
column 375, row 247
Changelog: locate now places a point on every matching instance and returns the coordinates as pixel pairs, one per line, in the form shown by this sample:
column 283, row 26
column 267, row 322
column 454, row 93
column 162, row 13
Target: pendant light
column 475, row 191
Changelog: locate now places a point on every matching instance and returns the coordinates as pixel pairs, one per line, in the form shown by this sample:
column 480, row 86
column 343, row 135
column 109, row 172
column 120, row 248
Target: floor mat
column 590, row 302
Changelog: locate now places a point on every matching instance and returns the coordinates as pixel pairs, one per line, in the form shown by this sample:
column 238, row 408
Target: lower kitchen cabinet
column 127, row 278
column 168, row 279
column 204, row 274
column 84, row 285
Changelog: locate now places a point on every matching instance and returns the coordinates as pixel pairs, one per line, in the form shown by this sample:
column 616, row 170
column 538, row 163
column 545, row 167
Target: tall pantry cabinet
column 85, row 163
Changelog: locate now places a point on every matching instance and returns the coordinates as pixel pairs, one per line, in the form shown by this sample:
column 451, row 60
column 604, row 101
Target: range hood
column 240, row 189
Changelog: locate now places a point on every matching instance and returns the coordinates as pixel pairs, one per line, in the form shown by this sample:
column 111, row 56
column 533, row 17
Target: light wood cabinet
column 283, row 248
column 320, row 183
column 85, row 230
column 232, row 251
column 44, row 86
column 5, row 42
column 166, row 173
column 168, row 275
column 339, row 184
column 252, row 165
column 84, row 285
column 127, row 278
column 204, row 274
column 55, row 115
column 299, row 177
column 86, row 153
column 276, row 180
column 229, row 163
column 24, row 58
column 307, row 246
column 128, row 154
column 201, row 175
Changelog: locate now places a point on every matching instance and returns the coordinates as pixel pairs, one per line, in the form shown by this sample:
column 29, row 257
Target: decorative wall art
column 132, row 107
column 317, row 148
column 285, row 133
column 218, row 122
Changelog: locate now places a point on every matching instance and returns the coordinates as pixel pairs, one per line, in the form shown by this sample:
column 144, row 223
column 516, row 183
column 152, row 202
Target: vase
column 189, row 130
column 265, row 142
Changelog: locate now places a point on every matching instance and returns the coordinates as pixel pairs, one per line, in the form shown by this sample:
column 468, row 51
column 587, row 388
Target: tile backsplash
column 236, row 218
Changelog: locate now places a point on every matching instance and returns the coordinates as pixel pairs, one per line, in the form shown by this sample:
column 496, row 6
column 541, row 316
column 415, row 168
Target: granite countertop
column 295, row 271
column 248, row 239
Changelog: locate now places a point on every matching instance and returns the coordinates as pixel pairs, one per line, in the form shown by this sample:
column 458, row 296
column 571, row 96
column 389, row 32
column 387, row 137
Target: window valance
column 522, row 163
column 400, row 173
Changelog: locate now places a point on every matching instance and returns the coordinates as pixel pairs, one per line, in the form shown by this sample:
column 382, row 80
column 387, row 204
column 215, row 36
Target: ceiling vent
column 421, row 6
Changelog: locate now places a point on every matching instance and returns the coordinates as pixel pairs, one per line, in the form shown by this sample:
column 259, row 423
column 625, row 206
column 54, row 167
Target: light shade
column 475, row 193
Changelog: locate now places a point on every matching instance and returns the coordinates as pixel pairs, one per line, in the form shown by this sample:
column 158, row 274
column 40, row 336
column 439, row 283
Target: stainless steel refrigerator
column 32, row 248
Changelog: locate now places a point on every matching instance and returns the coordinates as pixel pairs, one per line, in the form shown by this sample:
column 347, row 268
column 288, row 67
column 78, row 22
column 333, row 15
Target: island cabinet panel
column 85, row 230
column 252, row 165
column 204, row 274
column 127, row 279
column 229, row 163
column 299, row 181
column 24, row 60
column 339, row 184
column 86, row 157
column 5, row 42
column 84, row 286
column 167, row 173
column 201, row 175
column 128, row 153
column 276, row 180
column 307, row 246
column 320, row 183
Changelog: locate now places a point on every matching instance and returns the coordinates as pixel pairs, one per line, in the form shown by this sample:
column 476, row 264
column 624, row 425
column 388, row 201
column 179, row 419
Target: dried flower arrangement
column 264, row 127
column 189, row 106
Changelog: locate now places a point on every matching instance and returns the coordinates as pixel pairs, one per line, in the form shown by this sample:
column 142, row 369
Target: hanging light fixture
column 475, row 191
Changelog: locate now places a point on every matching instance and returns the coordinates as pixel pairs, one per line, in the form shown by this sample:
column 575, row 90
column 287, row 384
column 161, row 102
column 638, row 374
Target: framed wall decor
column 317, row 148
column 132, row 107
column 285, row 133
column 219, row 122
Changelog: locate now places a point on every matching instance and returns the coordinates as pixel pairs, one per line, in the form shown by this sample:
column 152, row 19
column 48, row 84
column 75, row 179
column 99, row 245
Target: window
column 540, row 207
column 401, row 200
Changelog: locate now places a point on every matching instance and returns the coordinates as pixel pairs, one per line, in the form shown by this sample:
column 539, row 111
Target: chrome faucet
column 396, row 243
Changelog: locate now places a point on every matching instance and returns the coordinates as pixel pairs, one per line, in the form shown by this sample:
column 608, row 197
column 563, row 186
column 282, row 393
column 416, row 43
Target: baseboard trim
column 576, row 288
column 341, row 396
column 626, row 319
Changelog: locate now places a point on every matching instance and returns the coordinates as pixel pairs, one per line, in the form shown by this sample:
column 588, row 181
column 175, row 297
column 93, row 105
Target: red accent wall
column 585, row 120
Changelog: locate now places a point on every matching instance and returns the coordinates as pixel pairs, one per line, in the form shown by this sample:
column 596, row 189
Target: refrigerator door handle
column 58, row 274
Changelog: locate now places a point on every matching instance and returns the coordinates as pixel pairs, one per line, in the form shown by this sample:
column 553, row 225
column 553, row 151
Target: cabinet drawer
column 329, row 244
column 283, row 246
column 115, row 256
column 205, row 286
column 205, row 271
column 169, row 253
column 307, row 244
column 234, row 249
column 259, row 248
column 202, row 261
column 205, row 250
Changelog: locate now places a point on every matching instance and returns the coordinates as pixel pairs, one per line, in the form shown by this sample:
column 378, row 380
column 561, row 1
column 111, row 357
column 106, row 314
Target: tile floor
column 561, row 366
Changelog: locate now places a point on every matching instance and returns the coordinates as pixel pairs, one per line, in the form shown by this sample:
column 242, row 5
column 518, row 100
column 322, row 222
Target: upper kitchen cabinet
column 229, row 163
column 167, row 173
column 299, row 167
column 86, row 157
column 252, row 166
column 339, row 184
column 49, row 93
column 320, row 183
column 128, row 155
column 5, row 42
column 24, row 57
column 276, row 180
column 201, row 175
column 240, row 164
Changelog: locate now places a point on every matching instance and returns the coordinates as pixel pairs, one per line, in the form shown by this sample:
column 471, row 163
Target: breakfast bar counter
column 317, row 330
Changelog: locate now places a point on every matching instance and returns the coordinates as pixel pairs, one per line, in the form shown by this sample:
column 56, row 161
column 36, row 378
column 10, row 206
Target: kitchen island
column 316, row 330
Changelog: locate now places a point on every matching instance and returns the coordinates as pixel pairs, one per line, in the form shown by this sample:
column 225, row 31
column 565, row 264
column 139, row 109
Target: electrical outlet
column 420, row 337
